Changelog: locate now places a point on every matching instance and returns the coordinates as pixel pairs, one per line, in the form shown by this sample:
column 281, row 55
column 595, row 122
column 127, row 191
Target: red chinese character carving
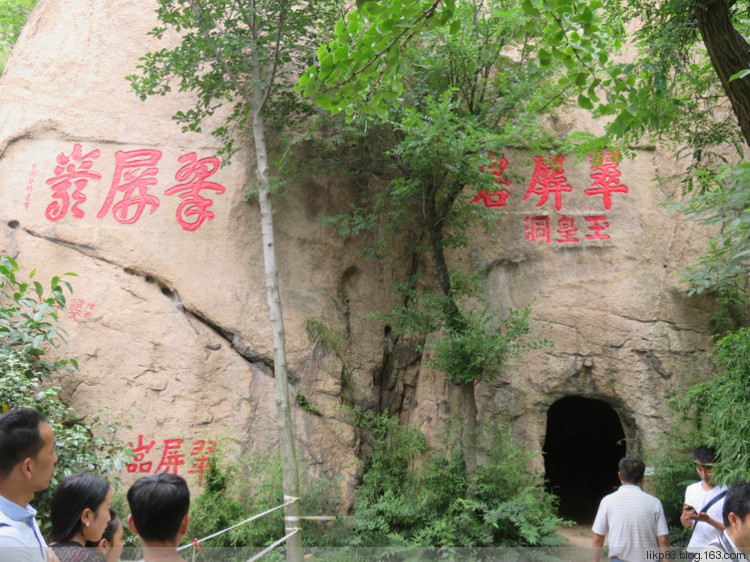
column 598, row 224
column 496, row 169
column 497, row 199
column 73, row 170
column 537, row 228
column 140, row 453
column 567, row 231
column 202, row 453
column 548, row 179
column 74, row 309
column 89, row 312
column 134, row 170
column 171, row 458
column 605, row 177
column 193, row 211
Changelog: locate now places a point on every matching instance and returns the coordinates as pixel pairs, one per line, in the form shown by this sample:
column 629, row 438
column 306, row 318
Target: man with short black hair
column 634, row 519
column 159, row 514
column 704, row 502
column 734, row 542
column 27, row 463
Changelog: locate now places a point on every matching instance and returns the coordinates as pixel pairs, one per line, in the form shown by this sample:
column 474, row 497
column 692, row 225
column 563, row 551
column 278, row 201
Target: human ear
column 184, row 526
column 131, row 525
column 102, row 547
column 26, row 467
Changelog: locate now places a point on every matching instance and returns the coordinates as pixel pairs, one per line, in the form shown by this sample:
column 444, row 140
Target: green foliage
column 718, row 406
column 28, row 317
column 234, row 492
column 664, row 86
column 305, row 404
column 221, row 43
column 722, row 202
column 397, row 504
column 13, row 16
column 324, row 339
column 468, row 92
column 359, row 71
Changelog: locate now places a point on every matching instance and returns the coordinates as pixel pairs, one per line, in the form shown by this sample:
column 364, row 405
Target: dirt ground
column 578, row 535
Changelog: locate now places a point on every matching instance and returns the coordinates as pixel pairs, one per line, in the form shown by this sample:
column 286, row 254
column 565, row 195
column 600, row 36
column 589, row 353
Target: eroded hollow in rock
column 584, row 442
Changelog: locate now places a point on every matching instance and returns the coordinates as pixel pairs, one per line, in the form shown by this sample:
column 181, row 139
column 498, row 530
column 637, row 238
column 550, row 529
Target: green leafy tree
column 240, row 53
column 466, row 91
column 28, row 327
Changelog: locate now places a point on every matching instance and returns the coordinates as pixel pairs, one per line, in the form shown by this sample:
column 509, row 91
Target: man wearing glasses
column 704, row 502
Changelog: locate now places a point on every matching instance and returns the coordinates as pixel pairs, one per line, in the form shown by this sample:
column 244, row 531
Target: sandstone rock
column 170, row 324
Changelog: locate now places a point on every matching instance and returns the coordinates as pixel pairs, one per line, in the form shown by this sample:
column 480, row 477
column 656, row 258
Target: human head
column 159, row 508
column 704, row 458
column 27, row 454
column 80, row 508
column 110, row 545
column 631, row 470
column 736, row 508
column 20, row 438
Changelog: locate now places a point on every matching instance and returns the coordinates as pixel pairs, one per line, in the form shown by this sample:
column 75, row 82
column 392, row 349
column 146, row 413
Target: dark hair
column 19, row 438
column 737, row 502
column 74, row 495
column 705, row 455
column 158, row 505
column 631, row 469
column 109, row 531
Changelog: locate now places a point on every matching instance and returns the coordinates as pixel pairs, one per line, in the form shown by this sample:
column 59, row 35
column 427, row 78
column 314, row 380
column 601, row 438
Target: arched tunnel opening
column 583, row 444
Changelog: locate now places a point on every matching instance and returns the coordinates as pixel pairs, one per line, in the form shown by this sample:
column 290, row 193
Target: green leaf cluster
column 221, row 42
column 722, row 202
column 359, row 71
column 398, row 504
column 28, row 327
column 13, row 16
column 234, row 491
column 718, row 407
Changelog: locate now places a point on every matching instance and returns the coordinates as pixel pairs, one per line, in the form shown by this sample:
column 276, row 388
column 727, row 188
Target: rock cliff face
column 169, row 322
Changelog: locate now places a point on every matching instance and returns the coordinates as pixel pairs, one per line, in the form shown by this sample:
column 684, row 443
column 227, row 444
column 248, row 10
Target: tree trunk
column 729, row 54
column 455, row 323
column 290, row 476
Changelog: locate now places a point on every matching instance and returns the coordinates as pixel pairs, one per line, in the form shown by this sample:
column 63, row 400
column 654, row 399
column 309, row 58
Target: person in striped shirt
column 633, row 519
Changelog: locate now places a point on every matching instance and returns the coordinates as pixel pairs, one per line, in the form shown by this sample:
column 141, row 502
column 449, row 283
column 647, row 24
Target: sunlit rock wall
column 169, row 321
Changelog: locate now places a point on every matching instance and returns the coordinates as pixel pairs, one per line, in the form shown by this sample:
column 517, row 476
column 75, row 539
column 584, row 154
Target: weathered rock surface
column 170, row 324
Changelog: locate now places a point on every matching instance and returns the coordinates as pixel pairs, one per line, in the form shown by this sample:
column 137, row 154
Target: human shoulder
column 10, row 534
column 74, row 552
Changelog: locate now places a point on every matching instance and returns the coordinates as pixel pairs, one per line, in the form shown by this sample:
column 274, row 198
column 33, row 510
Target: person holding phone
column 704, row 502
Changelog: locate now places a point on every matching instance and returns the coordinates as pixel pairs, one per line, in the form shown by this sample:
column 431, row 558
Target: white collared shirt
column 20, row 537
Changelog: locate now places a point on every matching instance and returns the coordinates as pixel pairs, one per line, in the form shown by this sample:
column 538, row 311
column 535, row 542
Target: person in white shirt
column 704, row 502
column 27, row 463
column 633, row 519
column 734, row 542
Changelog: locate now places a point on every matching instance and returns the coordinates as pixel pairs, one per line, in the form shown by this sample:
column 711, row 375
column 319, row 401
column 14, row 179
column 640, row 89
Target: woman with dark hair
column 80, row 512
column 110, row 545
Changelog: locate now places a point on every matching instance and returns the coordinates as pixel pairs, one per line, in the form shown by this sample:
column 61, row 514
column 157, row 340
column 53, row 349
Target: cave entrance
column 583, row 444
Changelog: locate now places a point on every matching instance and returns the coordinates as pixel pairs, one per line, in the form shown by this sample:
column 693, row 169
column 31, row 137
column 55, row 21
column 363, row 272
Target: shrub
column 502, row 504
column 28, row 325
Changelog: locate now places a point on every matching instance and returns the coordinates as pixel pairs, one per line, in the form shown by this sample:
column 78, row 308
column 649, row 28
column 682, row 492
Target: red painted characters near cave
column 605, row 177
column 548, row 181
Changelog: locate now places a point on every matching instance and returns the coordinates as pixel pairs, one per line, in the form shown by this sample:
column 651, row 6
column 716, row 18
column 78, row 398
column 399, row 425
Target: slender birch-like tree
column 243, row 53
